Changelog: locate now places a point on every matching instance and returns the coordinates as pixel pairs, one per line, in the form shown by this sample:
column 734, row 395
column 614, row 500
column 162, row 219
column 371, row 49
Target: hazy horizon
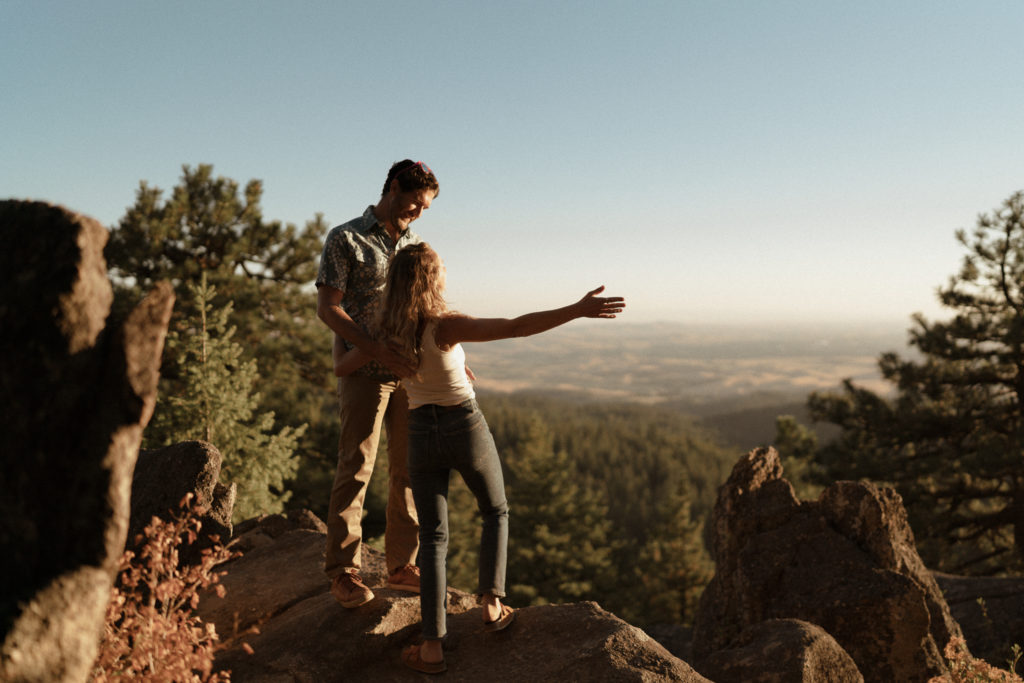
column 727, row 367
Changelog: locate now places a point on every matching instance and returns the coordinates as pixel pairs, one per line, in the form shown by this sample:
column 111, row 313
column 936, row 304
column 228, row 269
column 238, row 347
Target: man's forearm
column 341, row 323
column 330, row 310
column 334, row 315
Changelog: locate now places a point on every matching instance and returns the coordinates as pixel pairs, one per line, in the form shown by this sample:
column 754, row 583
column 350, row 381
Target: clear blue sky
column 711, row 161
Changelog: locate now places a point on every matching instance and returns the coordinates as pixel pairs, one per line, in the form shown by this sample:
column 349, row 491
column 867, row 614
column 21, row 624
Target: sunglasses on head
column 423, row 167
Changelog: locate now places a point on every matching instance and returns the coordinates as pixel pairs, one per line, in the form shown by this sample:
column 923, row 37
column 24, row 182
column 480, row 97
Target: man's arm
column 347, row 362
column 330, row 310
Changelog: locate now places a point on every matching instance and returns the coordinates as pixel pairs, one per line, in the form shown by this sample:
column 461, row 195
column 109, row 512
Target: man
column 349, row 287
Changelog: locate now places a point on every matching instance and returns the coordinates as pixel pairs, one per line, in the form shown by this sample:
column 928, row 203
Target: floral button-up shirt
column 355, row 262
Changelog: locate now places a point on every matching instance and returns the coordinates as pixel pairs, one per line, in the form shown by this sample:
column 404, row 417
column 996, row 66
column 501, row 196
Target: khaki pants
column 366, row 405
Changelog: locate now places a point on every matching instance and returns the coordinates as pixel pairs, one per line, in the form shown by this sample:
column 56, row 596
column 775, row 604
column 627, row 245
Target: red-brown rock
column 846, row 563
column 76, row 390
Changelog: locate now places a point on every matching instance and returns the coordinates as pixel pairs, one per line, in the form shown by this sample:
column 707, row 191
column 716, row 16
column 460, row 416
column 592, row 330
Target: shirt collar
column 371, row 224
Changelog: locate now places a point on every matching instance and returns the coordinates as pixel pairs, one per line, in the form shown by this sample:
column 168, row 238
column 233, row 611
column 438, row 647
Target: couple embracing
column 400, row 363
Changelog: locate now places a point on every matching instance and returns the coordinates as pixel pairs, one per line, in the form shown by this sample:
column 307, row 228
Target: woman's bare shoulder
column 449, row 328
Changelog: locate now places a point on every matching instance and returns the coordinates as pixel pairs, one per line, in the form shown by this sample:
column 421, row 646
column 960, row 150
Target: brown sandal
column 504, row 620
column 411, row 658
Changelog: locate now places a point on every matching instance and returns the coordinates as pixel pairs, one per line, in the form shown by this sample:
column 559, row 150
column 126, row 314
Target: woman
column 447, row 430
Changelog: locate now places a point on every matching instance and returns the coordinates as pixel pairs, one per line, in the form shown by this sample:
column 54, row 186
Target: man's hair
column 412, row 176
column 413, row 295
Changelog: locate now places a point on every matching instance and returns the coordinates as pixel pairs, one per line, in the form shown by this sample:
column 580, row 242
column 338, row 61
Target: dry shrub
column 963, row 668
column 151, row 632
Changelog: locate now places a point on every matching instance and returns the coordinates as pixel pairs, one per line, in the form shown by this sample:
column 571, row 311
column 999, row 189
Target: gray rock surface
column 76, row 390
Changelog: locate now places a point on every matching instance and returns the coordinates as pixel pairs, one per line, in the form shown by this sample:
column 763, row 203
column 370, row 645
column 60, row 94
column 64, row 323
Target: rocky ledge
column 277, row 587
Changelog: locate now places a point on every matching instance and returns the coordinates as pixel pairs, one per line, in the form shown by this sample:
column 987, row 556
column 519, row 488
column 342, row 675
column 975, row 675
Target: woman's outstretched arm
column 458, row 328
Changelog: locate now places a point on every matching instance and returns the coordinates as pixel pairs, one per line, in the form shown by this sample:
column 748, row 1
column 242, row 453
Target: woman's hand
column 593, row 306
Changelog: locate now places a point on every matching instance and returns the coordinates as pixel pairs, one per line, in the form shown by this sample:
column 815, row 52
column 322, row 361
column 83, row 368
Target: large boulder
column 782, row 651
column 277, row 587
column 846, row 563
column 76, row 389
column 164, row 476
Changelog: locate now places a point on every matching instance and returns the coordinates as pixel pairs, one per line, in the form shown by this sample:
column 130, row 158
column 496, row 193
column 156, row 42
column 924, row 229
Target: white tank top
column 441, row 377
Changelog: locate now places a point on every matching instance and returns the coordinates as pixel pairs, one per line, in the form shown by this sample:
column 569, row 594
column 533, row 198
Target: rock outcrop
column 782, row 650
column 76, row 390
column 845, row 563
column 164, row 476
column 278, row 587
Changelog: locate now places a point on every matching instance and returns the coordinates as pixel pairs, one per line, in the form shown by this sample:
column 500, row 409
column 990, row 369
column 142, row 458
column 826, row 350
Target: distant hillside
column 662, row 363
column 734, row 380
column 753, row 427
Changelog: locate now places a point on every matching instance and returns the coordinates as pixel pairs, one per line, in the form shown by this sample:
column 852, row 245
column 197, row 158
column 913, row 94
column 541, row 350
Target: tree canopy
column 950, row 438
column 259, row 272
column 606, row 503
column 213, row 401
column 206, row 224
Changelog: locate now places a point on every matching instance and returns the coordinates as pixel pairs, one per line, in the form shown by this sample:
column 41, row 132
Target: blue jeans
column 442, row 439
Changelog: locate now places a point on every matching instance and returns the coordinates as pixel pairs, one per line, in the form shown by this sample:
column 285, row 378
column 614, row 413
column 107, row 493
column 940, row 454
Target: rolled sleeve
column 334, row 263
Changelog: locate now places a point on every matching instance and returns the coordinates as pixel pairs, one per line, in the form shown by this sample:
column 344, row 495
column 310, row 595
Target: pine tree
column 560, row 547
column 210, row 224
column 670, row 570
column 209, row 396
column 797, row 446
column 951, row 440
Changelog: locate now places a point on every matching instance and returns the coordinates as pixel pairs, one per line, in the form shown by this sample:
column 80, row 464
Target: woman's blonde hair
column 413, row 295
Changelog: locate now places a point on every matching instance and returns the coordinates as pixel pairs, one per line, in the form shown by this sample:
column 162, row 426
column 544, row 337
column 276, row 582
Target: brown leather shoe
column 405, row 578
column 350, row 591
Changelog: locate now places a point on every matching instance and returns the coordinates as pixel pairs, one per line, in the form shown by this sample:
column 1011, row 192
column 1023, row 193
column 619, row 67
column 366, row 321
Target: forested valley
column 606, row 504
column 608, row 498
